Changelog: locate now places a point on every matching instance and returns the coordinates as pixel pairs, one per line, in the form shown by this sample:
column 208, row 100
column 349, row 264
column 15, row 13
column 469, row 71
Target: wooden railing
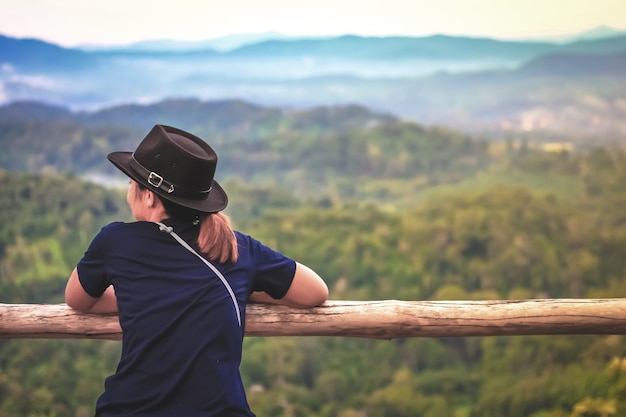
column 387, row 319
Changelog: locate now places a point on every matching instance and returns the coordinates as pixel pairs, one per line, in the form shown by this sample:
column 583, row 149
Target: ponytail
column 217, row 239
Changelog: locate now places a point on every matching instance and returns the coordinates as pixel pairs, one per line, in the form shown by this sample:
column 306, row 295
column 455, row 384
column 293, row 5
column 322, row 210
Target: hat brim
column 216, row 201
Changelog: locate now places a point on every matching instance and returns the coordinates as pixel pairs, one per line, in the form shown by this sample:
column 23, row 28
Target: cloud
column 34, row 81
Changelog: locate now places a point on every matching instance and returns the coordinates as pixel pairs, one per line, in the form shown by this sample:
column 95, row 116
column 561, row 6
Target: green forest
column 384, row 210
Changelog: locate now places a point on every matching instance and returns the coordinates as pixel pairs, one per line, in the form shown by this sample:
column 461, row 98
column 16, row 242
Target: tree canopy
column 392, row 211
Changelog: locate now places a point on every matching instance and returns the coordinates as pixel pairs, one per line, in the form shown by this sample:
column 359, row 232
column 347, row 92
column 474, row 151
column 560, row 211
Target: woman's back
column 182, row 340
column 182, row 334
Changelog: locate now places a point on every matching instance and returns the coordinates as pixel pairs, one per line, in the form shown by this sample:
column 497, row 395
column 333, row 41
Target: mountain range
column 575, row 88
column 230, row 42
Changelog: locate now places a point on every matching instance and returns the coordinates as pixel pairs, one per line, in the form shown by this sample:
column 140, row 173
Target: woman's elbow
column 75, row 296
column 79, row 303
column 319, row 296
column 307, row 289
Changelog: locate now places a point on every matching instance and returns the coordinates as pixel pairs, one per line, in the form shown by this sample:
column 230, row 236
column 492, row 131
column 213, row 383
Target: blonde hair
column 217, row 239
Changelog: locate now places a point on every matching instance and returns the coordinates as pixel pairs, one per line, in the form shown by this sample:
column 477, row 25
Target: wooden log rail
column 386, row 319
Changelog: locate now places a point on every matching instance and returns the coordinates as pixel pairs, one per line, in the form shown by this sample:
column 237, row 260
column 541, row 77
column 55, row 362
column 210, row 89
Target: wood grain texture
column 386, row 319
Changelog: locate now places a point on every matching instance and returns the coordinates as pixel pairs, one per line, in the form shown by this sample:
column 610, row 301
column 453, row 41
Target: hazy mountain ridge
column 223, row 43
column 472, row 84
column 571, row 64
column 37, row 55
column 304, row 150
column 234, row 41
column 214, row 117
column 396, row 47
column 358, row 47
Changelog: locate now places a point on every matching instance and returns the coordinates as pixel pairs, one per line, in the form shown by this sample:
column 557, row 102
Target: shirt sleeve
column 92, row 272
column 274, row 271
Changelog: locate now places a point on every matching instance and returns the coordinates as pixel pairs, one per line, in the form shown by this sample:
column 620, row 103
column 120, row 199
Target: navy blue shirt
column 182, row 343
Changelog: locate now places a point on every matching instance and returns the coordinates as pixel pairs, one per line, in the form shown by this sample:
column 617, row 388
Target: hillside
column 500, row 242
column 309, row 150
column 222, row 117
column 381, row 207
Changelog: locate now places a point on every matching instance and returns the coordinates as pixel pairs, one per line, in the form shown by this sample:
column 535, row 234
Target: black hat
column 177, row 166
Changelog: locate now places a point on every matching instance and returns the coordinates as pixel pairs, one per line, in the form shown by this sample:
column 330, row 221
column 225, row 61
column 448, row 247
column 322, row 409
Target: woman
column 180, row 278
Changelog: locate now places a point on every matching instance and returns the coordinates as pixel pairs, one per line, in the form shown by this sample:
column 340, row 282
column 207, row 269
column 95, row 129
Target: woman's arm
column 307, row 289
column 78, row 299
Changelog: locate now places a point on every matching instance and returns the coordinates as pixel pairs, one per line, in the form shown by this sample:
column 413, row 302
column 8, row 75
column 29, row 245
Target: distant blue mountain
column 437, row 47
column 31, row 53
column 223, row 43
column 570, row 65
column 33, row 111
column 458, row 81
column 36, row 55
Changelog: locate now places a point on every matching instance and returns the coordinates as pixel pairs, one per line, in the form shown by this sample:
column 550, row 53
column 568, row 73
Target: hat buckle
column 153, row 175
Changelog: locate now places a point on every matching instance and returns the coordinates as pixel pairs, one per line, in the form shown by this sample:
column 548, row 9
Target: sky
column 119, row 22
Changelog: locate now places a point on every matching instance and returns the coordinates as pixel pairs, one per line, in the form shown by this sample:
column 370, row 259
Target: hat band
column 157, row 181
